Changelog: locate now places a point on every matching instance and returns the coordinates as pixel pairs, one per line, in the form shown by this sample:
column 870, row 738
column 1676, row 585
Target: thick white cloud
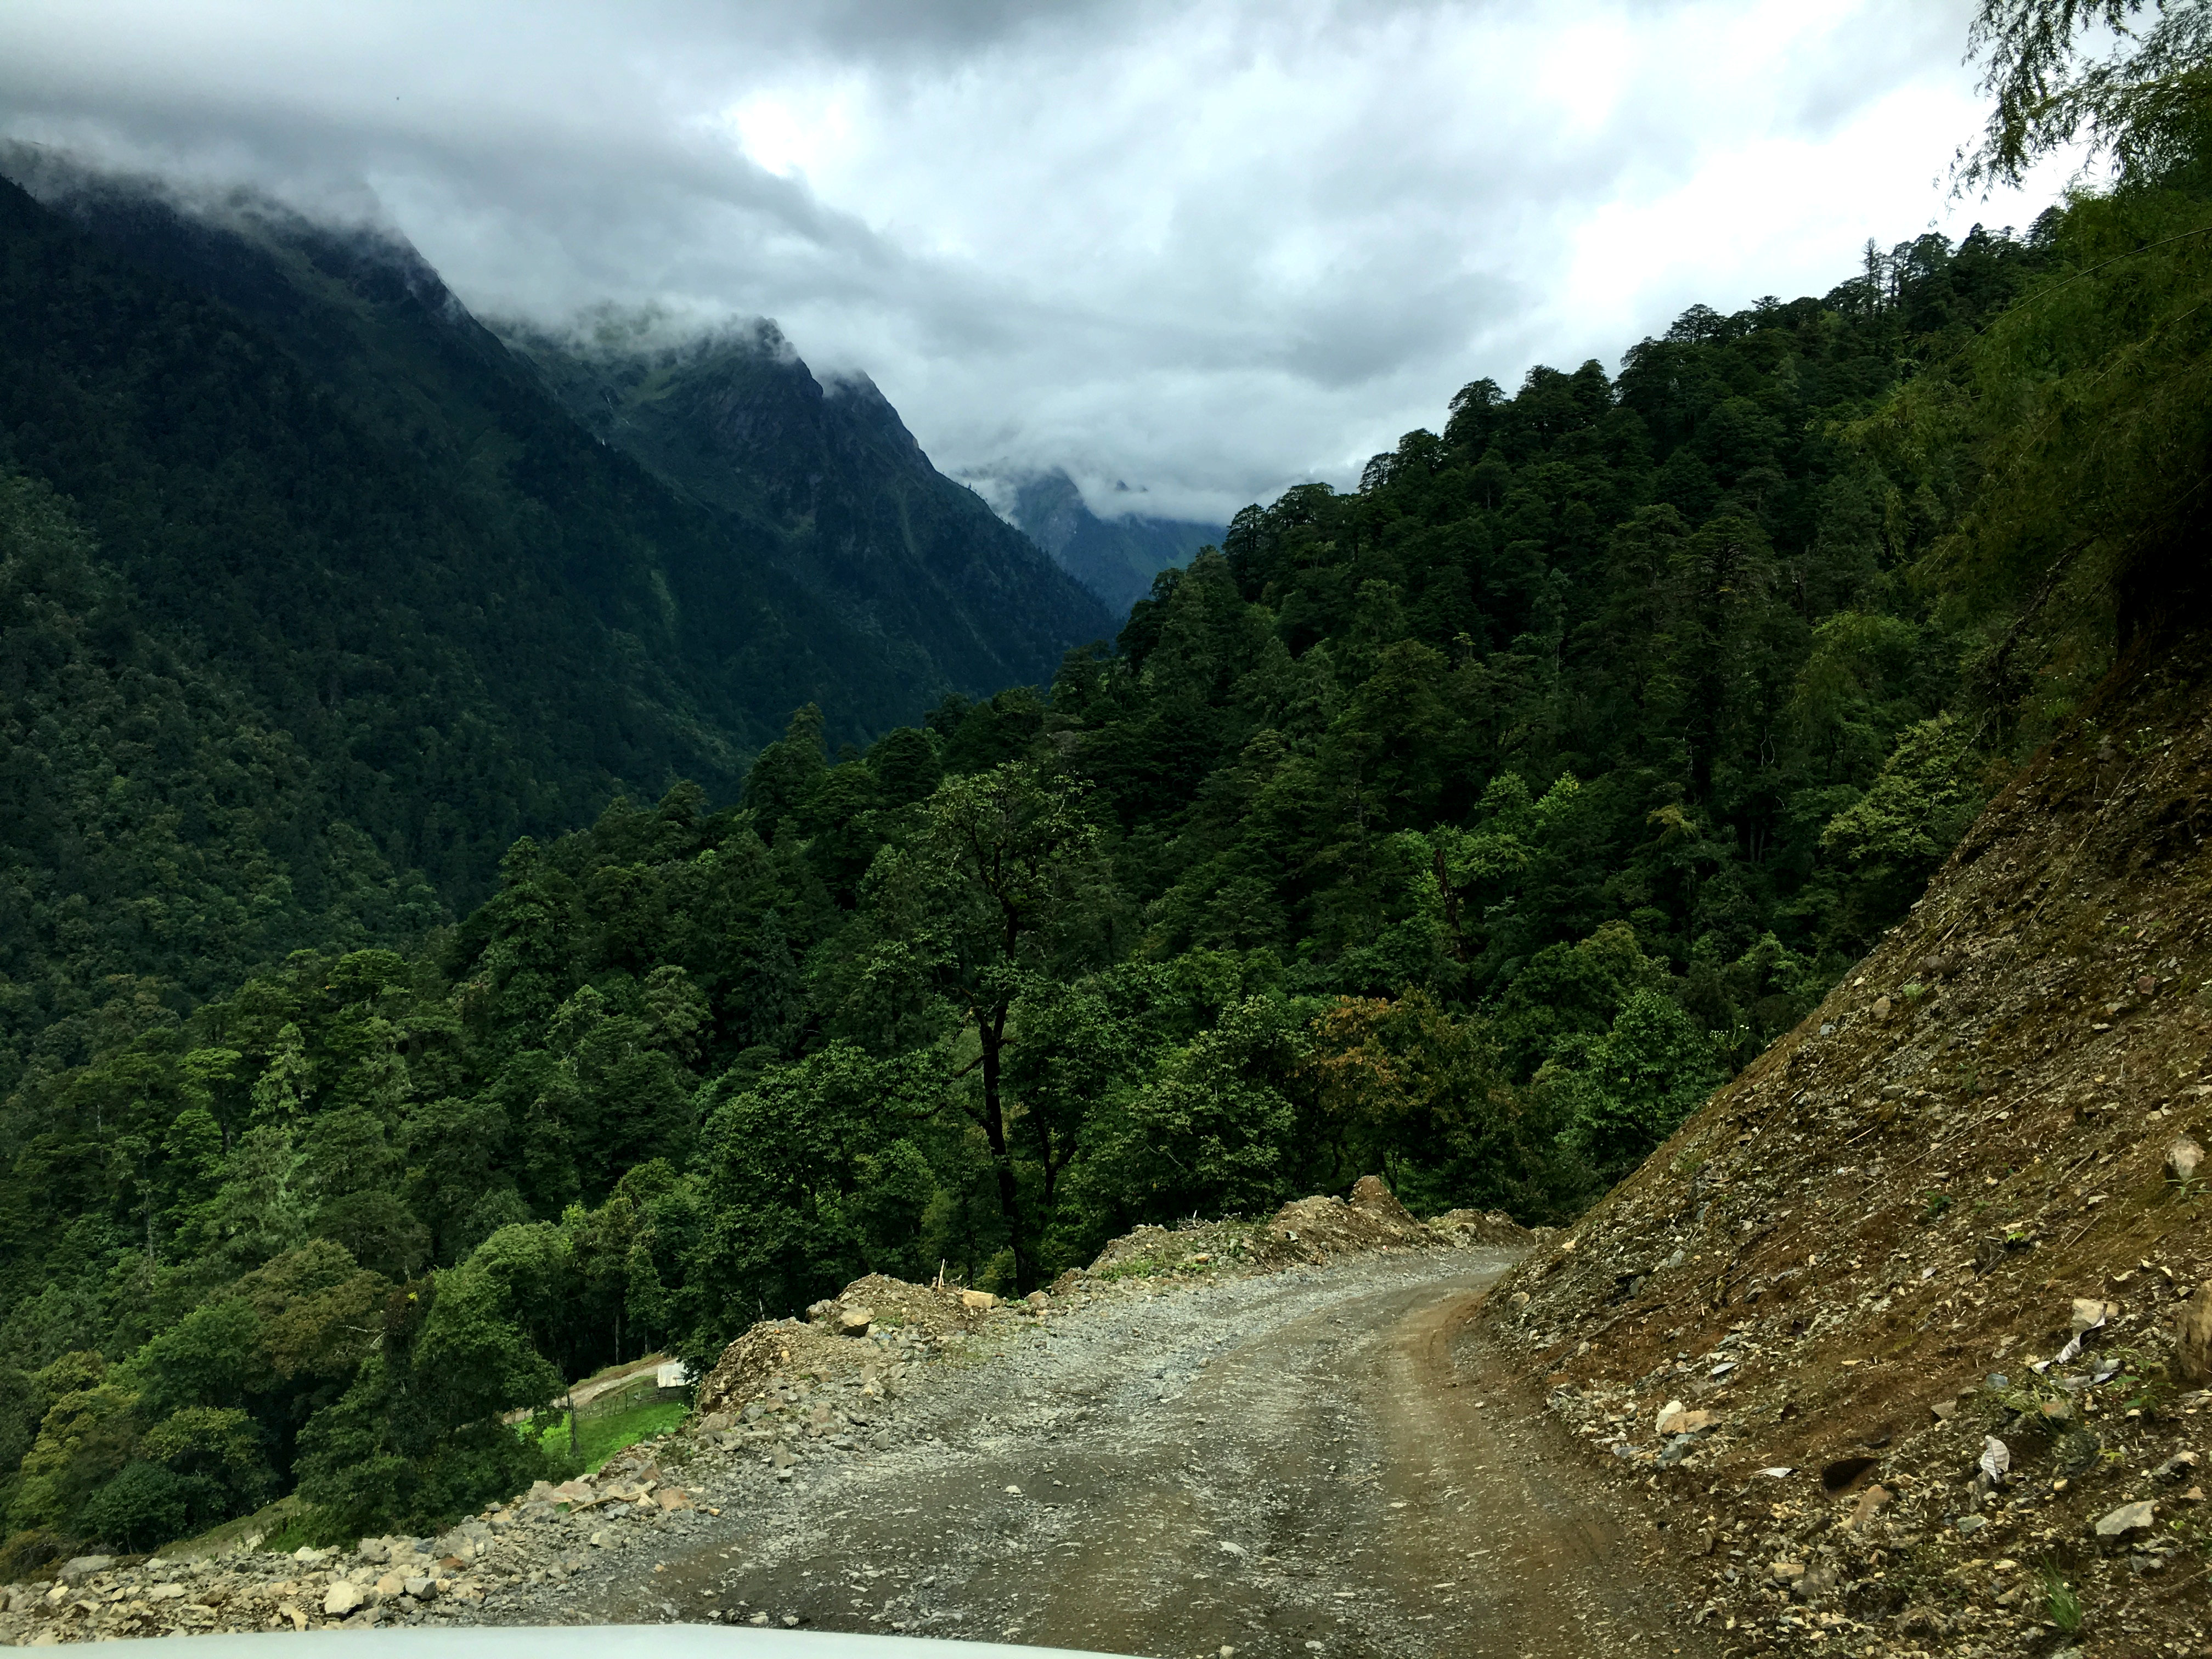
column 1211, row 247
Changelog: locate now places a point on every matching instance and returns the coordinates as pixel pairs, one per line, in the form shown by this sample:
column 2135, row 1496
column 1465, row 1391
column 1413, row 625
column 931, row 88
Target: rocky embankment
column 790, row 1397
column 1907, row 1334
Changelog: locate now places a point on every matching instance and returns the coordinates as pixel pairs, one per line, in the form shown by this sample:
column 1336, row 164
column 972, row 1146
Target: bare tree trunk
column 993, row 1034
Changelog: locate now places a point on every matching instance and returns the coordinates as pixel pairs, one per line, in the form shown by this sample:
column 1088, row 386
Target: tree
column 1003, row 886
column 2141, row 104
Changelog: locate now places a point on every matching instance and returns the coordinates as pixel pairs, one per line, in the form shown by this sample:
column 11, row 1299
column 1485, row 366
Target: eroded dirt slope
column 1858, row 1269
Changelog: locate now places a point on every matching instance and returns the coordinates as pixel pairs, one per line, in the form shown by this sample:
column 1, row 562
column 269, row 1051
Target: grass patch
column 2061, row 1605
column 599, row 1438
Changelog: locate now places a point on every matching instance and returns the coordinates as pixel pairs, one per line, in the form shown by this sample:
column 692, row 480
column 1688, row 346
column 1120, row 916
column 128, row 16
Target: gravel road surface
column 1321, row 1460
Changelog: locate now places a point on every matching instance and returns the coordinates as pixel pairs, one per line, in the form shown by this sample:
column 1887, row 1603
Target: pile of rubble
column 464, row 1575
column 1906, row 1331
column 877, row 1331
column 246, row 1587
column 1306, row 1233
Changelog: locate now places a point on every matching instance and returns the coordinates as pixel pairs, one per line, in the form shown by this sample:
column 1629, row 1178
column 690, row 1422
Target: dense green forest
column 342, row 601
column 1467, row 827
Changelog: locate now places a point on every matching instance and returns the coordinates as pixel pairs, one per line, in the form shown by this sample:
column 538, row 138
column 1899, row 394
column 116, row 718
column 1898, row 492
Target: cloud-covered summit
column 1211, row 246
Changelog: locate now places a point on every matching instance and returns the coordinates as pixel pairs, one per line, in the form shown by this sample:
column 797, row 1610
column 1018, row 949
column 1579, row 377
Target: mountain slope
column 1114, row 558
column 1873, row 1250
column 828, row 479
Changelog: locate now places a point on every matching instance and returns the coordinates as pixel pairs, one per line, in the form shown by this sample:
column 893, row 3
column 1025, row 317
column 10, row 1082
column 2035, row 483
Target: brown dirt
column 1897, row 1206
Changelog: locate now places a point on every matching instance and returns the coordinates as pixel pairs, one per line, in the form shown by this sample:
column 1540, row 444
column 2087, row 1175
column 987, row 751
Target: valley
column 619, row 1003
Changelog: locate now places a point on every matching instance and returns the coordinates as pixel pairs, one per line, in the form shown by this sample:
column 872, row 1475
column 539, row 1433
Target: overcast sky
column 1207, row 247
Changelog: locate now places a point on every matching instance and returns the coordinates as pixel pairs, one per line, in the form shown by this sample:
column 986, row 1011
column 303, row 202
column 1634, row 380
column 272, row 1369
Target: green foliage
column 597, row 1438
column 1468, row 828
column 2062, row 1605
column 1649, row 1070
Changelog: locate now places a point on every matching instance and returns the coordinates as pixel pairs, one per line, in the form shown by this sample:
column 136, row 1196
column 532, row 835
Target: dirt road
column 1315, row 1462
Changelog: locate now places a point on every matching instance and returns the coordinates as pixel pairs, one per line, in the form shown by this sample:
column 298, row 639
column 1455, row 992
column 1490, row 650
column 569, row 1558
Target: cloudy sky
column 1209, row 246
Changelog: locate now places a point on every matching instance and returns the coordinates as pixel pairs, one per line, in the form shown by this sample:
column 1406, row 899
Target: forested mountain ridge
column 298, row 483
column 833, row 484
column 1468, row 826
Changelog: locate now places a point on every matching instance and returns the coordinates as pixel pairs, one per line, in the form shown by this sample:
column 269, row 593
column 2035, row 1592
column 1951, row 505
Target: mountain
column 828, row 481
column 1115, row 558
column 316, row 587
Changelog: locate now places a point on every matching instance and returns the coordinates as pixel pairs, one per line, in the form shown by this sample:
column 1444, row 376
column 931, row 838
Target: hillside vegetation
column 261, row 454
column 1469, row 827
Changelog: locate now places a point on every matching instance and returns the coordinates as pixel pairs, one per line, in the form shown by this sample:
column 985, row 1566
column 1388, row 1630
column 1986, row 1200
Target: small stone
column 78, row 1568
column 343, row 1597
column 165, row 1593
column 1870, row 1504
column 2129, row 1517
column 1814, row 1584
column 980, row 1300
column 1786, row 1572
column 2178, row 1467
column 1674, row 1417
column 421, row 1588
column 2182, row 1159
column 392, row 1584
column 2192, row 1339
column 672, row 1497
column 1881, row 1005
column 1970, row 1523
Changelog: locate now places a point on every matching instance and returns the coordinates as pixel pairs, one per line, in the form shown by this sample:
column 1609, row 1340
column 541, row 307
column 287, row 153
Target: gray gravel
column 1289, row 1463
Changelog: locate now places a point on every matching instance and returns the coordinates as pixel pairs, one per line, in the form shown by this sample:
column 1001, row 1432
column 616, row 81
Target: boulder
column 342, row 1598
column 78, row 1568
column 981, row 1300
column 855, row 1321
column 2192, row 1339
